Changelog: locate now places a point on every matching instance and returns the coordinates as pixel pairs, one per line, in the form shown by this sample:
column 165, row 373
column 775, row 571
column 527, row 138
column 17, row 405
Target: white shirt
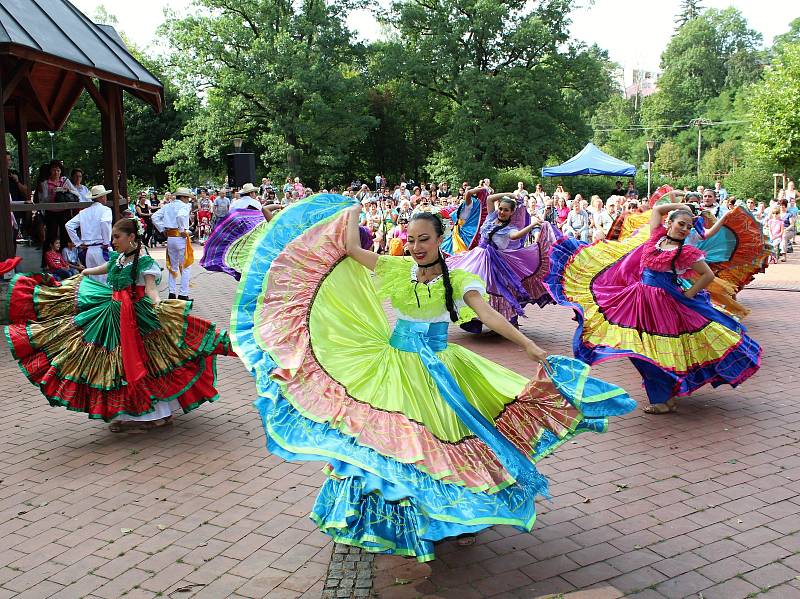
column 83, row 193
column 174, row 215
column 94, row 223
column 245, row 202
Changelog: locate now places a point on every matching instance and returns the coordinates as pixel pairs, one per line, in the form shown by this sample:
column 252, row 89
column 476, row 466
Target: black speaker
column 241, row 169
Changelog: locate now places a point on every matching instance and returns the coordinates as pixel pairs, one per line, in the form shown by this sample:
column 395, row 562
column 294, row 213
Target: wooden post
column 109, row 92
column 122, row 154
column 8, row 244
column 21, row 133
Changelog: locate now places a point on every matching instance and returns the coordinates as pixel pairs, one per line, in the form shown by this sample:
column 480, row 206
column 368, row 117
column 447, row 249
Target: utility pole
column 699, row 123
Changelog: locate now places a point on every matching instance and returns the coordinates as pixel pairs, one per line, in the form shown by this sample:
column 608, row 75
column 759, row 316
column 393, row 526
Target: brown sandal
column 668, row 407
column 466, row 540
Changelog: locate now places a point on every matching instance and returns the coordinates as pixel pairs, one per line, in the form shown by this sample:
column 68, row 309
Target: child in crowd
column 775, row 229
column 54, row 262
column 399, row 238
column 70, row 255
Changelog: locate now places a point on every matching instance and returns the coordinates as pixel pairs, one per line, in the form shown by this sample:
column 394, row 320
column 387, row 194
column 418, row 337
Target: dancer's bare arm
column 353, row 241
column 495, row 321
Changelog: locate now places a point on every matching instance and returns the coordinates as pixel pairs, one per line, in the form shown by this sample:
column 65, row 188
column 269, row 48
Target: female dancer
column 733, row 245
column 467, row 221
column 115, row 351
column 228, row 243
column 629, row 304
column 514, row 274
column 423, row 440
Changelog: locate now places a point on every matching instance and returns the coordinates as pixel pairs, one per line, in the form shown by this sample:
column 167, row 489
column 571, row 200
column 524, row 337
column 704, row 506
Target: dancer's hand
column 535, row 353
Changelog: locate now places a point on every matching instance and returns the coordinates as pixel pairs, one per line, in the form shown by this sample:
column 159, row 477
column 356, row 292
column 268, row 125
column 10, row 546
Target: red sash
column 133, row 354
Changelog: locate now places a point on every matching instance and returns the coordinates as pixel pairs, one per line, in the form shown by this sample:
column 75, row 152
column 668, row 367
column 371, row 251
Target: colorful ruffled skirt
column 423, row 439
column 735, row 254
column 464, row 233
column 68, row 341
column 234, row 226
column 514, row 277
column 677, row 344
column 228, row 245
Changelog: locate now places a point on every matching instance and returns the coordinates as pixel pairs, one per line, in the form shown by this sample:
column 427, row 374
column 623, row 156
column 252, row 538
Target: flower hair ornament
column 139, row 226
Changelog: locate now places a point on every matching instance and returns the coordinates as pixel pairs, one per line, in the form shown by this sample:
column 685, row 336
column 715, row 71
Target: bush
column 507, row 179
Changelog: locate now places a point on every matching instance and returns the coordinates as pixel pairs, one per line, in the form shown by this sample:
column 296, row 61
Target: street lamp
column 650, row 145
column 237, row 144
column 52, row 145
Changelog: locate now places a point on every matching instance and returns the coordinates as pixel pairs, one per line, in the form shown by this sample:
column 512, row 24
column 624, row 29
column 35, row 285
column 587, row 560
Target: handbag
column 65, row 196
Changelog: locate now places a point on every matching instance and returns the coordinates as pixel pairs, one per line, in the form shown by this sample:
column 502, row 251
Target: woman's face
column 423, row 242
column 680, row 226
column 57, row 245
column 121, row 241
column 55, row 172
column 504, row 211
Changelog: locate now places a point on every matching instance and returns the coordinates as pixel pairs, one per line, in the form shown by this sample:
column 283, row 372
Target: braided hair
column 672, row 216
column 438, row 226
column 130, row 226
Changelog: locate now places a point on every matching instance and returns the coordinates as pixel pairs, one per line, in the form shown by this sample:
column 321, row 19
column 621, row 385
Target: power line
column 686, row 126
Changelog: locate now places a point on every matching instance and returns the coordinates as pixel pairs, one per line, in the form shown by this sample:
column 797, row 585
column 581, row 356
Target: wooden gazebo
column 49, row 54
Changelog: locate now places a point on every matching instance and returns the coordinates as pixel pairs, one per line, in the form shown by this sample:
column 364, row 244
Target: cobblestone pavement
column 704, row 501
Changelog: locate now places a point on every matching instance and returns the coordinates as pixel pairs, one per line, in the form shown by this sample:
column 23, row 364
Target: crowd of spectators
column 388, row 208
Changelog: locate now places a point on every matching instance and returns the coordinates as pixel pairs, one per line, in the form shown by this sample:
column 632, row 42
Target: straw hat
column 98, row 191
column 183, row 191
column 248, row 188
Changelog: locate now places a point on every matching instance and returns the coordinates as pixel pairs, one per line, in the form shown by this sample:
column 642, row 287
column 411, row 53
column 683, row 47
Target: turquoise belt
column 427, row 338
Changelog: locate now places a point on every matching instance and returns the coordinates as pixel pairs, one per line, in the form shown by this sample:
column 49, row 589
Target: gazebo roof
column 49, row 50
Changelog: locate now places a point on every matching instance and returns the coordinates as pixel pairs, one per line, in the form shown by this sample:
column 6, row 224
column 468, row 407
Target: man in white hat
column 94, row 224
column 173, row 221
column 247, row 198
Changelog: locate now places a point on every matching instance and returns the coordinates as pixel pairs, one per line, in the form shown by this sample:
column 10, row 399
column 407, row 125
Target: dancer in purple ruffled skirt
column 514, row 273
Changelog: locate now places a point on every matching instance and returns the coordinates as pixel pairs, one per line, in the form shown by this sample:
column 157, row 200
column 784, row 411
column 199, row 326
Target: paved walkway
column 704, row 501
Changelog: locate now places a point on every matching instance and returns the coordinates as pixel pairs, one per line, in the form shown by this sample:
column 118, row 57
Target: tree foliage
column 514, row 89
column 690, row 9
column 775, row 118
column 282, row 75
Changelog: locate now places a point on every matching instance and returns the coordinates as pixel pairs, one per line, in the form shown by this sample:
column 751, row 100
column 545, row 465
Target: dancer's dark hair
column 438, row 226
column 129, row 226
column 503, row 224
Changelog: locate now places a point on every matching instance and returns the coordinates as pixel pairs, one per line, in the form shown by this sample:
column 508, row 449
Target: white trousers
column 94, row 257
column 176, row 247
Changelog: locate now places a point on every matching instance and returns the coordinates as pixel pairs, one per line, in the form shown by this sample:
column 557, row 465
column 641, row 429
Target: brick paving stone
column 735, row 587
column 770, row 575
column 684, row 585
column 696, row 492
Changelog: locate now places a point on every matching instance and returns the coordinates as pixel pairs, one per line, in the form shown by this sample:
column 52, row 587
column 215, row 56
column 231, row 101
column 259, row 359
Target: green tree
column 613, row 123
column 790, row 38
column 720, row 159
column 514, row 89
column 690, row 9
column 712, row 53
column 774, row 133
column 282, row 75
column 670, row 160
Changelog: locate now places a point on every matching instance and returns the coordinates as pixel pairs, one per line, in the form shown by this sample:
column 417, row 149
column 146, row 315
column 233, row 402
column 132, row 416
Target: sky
column 634, row 32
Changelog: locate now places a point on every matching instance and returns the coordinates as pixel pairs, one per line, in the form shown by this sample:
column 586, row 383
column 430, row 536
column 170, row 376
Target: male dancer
column 173, row 221
column 94, row 223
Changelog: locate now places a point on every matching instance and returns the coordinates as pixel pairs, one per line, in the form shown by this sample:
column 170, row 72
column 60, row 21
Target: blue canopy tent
column 591, row 160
